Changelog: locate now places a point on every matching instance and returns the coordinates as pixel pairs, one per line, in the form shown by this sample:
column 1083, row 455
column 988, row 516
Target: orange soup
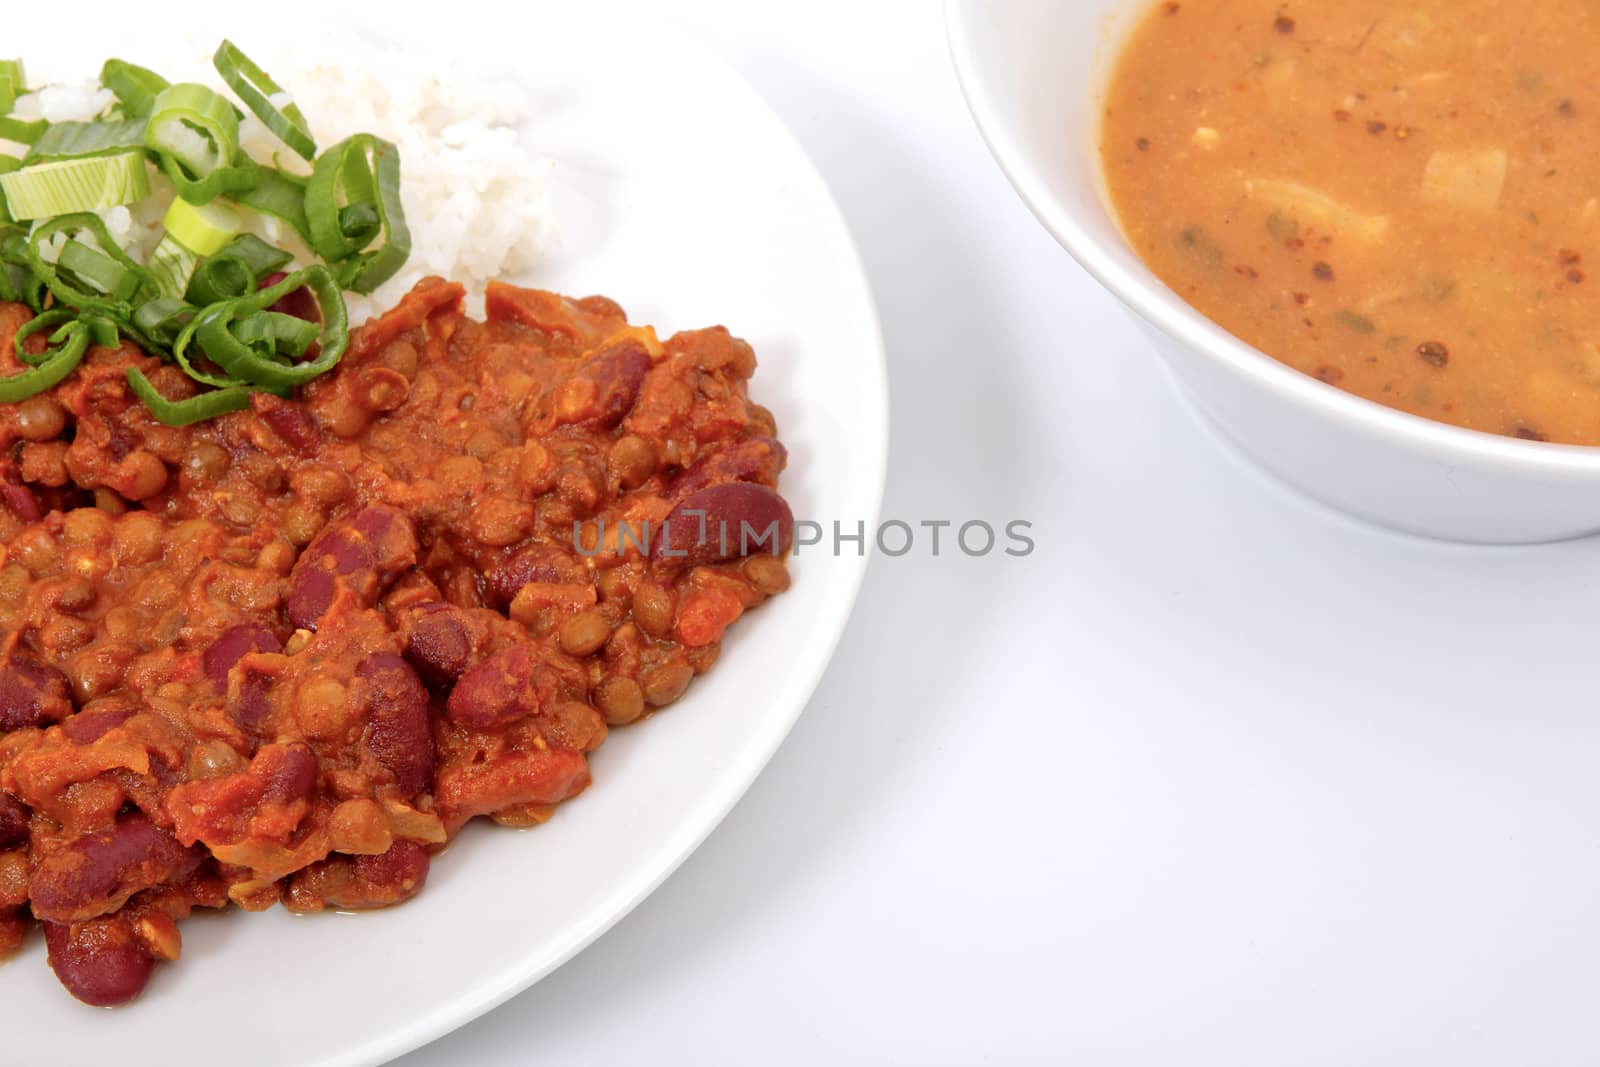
column 1402, row 199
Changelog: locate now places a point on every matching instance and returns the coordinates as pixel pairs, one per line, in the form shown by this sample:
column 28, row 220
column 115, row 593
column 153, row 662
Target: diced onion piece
column 1470, row 180
column 45, row 190
column 1313, row 207
column 204, row 229
column 173, row 264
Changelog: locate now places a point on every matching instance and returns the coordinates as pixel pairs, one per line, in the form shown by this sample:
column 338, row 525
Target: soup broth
column 1400, row 199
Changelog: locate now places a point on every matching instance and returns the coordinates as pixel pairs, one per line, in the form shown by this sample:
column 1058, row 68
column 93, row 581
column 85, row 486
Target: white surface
column 674, row 219
column 1029, row 69
column 1215, row 777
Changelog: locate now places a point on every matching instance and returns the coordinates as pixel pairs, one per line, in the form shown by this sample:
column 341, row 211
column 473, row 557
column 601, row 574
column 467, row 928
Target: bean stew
column 284, row 656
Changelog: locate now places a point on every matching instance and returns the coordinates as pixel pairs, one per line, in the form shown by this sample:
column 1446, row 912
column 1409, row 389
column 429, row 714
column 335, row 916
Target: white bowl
column 1034, row 72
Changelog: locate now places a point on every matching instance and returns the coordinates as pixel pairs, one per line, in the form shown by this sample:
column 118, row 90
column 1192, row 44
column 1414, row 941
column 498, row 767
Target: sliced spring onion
column 162, row 319
column 134, row 87
column 20, row 132
column 62, row 287
column 74, row 342
column 98, row 271
column 213, row 331
column 44, row 190
column 281, row 195
column 46, row 322
column 7, row 165
column 355, row 178
column 203, row 229
column 195, row 135
column 235, row 271
column 173, row 264
column 265, row 99
column 17, row 270
column 186, row 412
column 272, row 332
column 13, row 83
column 81, row 140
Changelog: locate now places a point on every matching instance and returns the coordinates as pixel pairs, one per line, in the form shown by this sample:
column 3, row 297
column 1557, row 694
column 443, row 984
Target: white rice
column 476, row 196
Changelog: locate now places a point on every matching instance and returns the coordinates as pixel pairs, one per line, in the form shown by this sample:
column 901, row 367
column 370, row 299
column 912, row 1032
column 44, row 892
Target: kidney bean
column 533, row 562
column 98, row 872
column 87, row 727
column 755, row 459
column 31, row 693
column 300, row 303
column 290, row 771
column 440, row 644
column 495, row 692
column 398, row 873
column 364, row 550
column 296, row 426
column 357, row 883
column 234, row 645
column 13, row 821
column 21, row 500
column 617, row 372
column 100, row 962
column 253, row 707
column 399, row 734
column 725, row 522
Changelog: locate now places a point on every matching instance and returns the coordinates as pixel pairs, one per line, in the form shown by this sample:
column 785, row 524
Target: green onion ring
column 200, row 408
column 212, row 330
column 359, row 171
column 71, row 295
column 256, row 88
column 64, row 361
column 135, row 87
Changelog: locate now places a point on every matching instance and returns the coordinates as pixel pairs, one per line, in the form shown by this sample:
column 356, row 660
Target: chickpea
column 664, row 684
column 584, row 634
column 241, row 509
column 86, row 527
column 301, row 522
column 501, row 521
column 321, row 484
column 206, row 463
column 620, row 699
column 380, row 389
column 142, row 474
column 46, row 463
column 767, row 573
column 359, row 827
column 400, row 355
column 40, row 418
column 37, row 551
column 214, row 759
column 138, row 539
column 632, row 460
column 76, row 596
column 653, row 608
column 484, row 443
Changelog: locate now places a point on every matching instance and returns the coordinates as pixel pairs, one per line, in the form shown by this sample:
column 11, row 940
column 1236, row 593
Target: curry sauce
column 1402, row 200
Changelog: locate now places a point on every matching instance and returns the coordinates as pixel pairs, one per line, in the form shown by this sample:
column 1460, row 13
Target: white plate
column 683, row 197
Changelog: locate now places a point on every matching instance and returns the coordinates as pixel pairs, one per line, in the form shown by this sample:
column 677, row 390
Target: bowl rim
column 1168, row 312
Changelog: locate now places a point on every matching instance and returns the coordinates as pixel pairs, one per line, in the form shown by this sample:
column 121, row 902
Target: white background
column 1214, row 777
